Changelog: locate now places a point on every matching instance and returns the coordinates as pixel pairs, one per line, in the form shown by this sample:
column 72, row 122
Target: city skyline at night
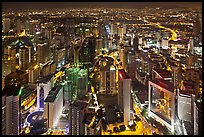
column 132, row 5
column 102, row 68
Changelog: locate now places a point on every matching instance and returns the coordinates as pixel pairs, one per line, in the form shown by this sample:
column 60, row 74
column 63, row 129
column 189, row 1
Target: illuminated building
column 161, row 102
column 6, row 25
column 23, row 58
column 112, row 80
column 124, row 28
column 76, row 83
column 198, row 118
column 43, row 53
column 107, row 75
column 124, row 96
column 11, row 52
column 186, row 99
column 59, row 56
column 48, row 33
column 99, row 44
column 136, row 44
column 43, row 88
column 33, row 73
column 31, row 26
column 192, row 74
column 165, row 43
column 18, row 77
column 76, row 116
column 120, row 32
column 30, row 53
column 6, row 65
column 161, row 74
column 53, row 106
column 196, row 27
column 176, row 75
column 191, row 61
column 48, row 69
column 11, row 110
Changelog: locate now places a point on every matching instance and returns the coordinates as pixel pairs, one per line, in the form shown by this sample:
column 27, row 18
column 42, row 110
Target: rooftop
column 53, row 93
column 11, row 90
column 163, row 73
column 79, row 105
column 123, row 74
column 164, row 84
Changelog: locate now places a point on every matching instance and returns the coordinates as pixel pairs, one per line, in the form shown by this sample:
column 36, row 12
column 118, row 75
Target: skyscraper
column 11, row 109
column 76, row 115
column 23, row 57
column 124, row 96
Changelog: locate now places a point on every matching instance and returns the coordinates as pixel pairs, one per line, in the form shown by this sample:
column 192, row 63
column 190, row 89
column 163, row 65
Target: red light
column 120, row 75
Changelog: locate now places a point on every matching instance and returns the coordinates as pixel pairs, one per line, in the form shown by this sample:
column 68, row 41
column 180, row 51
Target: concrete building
column 76, row 114
column 43, row 53
column 6, row 25
column 43, row 88
column 165, row 43
column 53, row 106
column 124, row 95
column 11, row 52
column 162, row 102
column 107, row 75
column 23, row 58
column 186, row 101
column 11, row 110
column 198, row 118
column 6, row 65
column 33, row 73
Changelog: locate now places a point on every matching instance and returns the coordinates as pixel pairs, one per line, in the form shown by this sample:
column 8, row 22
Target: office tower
column 33, row 73
column 92, row 47
column 198, row 130
column 136, row 44
column 99, row 45
column 124, row 28
column 11, row 52
column 43, row 53
column 112, row 79
column 165, row 43
column 191, row 61
column 30, row 53
column 84, row 53
column 6, row 25
column 11, row 110
column 186, row 99
column 48, row 33
column 23, row 58
column 176, row 75
column 193, row 75
column 196, row 27
column 43, row 89
column 191, row 45
column 162, row 102
column 120, row 32
column 53, row 106
column 124, row 96
column 76, row 116
column 6, row 65
column 59, row 55
column 107, row 70
column 76, row 55
column 19, row 26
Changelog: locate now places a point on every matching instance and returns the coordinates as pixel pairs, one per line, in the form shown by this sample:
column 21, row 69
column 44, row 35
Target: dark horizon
column 16, row 6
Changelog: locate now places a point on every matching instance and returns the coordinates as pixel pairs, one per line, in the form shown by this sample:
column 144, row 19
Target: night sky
column 46, row 5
